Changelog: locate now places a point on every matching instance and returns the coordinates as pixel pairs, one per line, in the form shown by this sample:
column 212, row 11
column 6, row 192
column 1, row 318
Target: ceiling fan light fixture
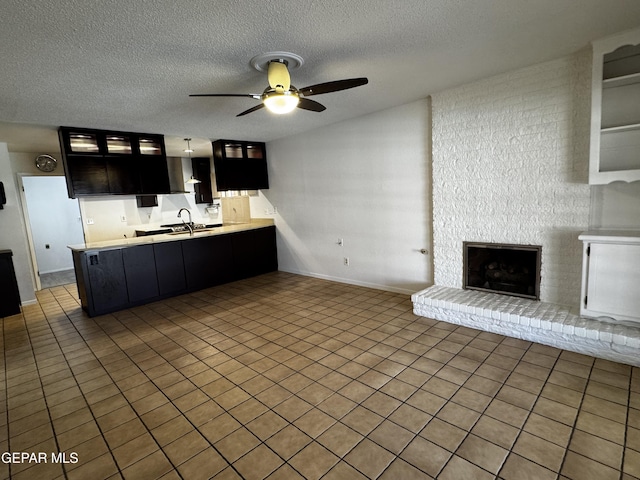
column 281, row 102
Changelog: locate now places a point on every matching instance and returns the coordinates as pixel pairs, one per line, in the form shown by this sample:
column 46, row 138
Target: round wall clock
column 46, row 163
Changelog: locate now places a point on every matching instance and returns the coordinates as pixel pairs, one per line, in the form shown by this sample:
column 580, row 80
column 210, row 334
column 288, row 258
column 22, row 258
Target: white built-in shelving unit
column 615, row 109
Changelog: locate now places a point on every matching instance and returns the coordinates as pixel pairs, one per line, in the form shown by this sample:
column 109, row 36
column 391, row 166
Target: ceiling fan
column 282, row 97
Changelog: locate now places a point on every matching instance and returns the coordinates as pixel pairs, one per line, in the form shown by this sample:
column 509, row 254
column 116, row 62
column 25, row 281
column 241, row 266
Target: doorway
column 53, row 222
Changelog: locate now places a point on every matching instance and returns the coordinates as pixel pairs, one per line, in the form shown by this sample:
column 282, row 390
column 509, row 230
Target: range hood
column 180, row 170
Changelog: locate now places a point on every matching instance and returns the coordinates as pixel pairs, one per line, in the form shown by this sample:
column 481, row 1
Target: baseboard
column 349, row 281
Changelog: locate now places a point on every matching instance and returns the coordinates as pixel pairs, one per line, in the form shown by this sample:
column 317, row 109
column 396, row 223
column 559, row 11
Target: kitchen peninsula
column 117, row 274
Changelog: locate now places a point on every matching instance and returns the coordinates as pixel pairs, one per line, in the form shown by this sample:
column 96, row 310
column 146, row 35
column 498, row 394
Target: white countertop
column 172, row 237
column 626, row 236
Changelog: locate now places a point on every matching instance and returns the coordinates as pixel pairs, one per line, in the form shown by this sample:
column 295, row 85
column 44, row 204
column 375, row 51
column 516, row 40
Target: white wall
column 13, row 235
column 615, row 206
column 510, row 162
column 366, row 181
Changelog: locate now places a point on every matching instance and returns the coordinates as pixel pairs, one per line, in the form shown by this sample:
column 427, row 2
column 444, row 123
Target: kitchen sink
column 195, row 232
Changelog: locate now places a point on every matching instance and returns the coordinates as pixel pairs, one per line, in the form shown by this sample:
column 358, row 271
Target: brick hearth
column 547, row 323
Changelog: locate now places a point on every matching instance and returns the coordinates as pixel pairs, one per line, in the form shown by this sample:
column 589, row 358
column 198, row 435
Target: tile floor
column 48, row 280
column 284, row 377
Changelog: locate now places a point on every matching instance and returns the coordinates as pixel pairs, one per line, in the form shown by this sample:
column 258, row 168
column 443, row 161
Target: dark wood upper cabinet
column 202, row 171
column 100, row 162
column 240, row 165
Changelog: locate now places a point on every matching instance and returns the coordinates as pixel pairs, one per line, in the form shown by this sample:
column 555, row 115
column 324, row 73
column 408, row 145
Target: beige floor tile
column 577, row 466
column 185, row 447
column 458, row 468
column 171, row 430
column 426, row 456
column 401, row 469
column 608, row 392
column 362, row 420
column 443, row 434
column 519, row 468
column 601, row 427
column 134, row 450
column 398, row 389
column 381, row 403
column 152, row 466
column 292, row 408
column 482, row 453
column 258, row 463
column 426, row 401
column 410, row 418
column 261, row 367
column 315, row 393
column 631, row 464
column 101, row 467
column 203, row 466
column 342, row 471
column 267, row 425
column 458, row 415
column 393, row 437
column 556, row 411
column 548, row 429
column 286, row 472
column 356, row 391
column 471, row 399
column 369, row 458
column 540, row 451
column 561, row 394
column 313, row 461
column 597, row 449
column 604, row 408
column 248, row 410
column 288, row 441
column 314, row 422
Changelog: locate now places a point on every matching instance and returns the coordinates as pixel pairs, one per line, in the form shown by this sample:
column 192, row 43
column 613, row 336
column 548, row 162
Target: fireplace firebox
column 502, row 268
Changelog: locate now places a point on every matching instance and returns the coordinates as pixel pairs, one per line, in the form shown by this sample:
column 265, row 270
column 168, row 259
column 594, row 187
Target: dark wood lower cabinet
column 207, row 261
column 110, row 280
column 140, row 273
column 170, row 268
column 9, row 296
column 252, row 252
column 104, row 272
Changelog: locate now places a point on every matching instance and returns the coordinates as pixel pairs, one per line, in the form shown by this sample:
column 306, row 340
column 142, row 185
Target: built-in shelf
column 621, row 128
column 615, row 109
column 621, row 81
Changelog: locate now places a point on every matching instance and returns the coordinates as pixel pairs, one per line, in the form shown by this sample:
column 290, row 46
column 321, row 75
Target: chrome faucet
column 190, row 224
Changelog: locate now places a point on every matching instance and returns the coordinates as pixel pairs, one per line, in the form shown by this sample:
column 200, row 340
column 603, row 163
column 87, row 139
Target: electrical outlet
column 123, row 218
column 89, row 221
column 346, row 261
column 341, row 242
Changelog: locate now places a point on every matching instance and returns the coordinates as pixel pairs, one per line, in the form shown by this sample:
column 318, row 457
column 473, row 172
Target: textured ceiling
column 131, row 64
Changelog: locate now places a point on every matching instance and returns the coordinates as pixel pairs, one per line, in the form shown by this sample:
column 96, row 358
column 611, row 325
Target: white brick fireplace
column 510, row 163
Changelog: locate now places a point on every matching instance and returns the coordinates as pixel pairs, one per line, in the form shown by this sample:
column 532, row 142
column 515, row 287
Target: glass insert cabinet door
column 119, row 144
column 84, row 142
column 150, row 146
column 233, row 150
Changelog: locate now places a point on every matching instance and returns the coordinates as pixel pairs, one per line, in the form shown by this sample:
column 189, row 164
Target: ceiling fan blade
column 312, row 105
column 251, row 110
column 250, row 95
column 278, row 75
column 334, row 86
